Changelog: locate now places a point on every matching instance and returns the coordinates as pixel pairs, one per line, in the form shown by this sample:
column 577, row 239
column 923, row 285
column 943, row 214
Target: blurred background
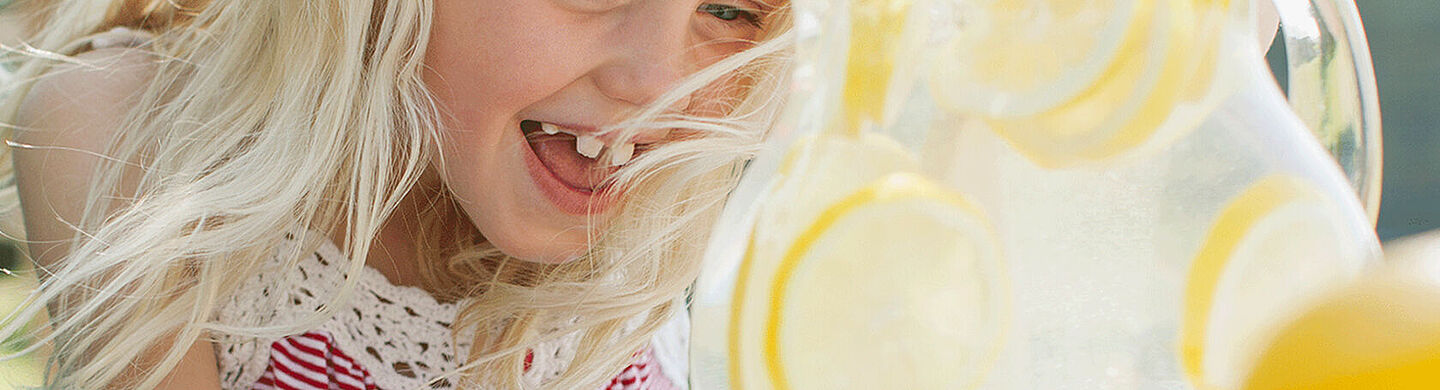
column 15, row 280
column 1405, row 43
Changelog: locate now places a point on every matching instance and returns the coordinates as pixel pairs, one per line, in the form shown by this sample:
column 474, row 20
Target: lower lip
column 571, row 200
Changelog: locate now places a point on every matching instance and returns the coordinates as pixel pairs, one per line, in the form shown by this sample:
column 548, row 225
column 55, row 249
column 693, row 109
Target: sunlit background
column 23, row 371
column 1405, row 43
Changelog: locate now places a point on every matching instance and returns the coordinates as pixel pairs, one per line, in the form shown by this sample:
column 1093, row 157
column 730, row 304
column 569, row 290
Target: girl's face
column 506, row 72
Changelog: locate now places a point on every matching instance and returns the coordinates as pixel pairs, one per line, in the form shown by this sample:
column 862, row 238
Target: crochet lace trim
column 400, row 334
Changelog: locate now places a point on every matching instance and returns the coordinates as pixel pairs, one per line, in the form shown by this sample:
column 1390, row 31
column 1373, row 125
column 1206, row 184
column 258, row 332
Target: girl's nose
column 649, row 53
column 636, row 81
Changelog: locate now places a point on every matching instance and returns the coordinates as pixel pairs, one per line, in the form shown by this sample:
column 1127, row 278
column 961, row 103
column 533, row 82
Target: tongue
column 557, row 152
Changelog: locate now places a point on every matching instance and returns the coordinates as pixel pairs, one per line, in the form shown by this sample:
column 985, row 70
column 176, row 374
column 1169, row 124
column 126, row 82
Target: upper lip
column 608, row 136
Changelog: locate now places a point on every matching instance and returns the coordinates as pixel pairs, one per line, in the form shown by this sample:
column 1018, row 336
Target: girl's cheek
column 720, row 97
column 481, row 52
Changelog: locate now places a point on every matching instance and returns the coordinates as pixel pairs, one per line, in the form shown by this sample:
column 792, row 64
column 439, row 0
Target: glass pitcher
column 1035, row 194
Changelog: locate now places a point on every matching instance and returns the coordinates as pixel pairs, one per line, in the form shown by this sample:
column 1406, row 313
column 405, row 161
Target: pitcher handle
column 1332, row 87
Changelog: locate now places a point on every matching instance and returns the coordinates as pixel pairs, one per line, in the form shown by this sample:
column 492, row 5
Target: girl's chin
column 560, row 259
column 556, row 248
column 554, row 258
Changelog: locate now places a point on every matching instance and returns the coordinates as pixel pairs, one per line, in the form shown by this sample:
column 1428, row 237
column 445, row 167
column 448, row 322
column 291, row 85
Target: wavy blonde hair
column 329, row 93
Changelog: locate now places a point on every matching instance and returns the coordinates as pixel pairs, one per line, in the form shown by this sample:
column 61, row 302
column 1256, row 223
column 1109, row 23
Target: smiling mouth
column 574, row 158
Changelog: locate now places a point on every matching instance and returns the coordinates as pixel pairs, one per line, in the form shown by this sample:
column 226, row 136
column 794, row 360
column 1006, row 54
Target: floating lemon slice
column 1382, row 333
column 1022, row 57
column 898, row 285
column 1273, row 248
column 1164, row 56
column 877, row 32
column 818, row 170
column 1128, row 107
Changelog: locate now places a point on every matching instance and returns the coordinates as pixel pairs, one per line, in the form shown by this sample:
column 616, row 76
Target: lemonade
column 856, row 271
column 898, row 284
column 1089, row 194
column 1259, row 265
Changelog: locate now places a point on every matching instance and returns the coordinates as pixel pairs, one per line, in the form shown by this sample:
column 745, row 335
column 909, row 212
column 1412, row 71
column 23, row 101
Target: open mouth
column 567, row 157
column 578, row 159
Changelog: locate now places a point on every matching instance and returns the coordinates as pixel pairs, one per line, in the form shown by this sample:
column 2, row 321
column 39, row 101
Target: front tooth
column 621, row 154
column 549, row 128
column 588, row 145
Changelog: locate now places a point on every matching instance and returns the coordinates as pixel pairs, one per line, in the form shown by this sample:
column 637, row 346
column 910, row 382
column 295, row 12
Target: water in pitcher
column 1024, row 195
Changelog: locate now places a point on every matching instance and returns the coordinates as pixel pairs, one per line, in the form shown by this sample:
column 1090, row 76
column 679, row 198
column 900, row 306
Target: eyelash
column 748, row 16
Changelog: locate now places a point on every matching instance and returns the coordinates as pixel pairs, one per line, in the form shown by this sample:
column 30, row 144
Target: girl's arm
column 65, row 125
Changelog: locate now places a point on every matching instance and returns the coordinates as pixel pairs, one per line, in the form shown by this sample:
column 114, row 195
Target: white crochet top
column 400, row 334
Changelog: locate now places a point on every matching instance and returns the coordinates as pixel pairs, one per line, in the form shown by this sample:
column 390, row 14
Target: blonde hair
column 330, row 95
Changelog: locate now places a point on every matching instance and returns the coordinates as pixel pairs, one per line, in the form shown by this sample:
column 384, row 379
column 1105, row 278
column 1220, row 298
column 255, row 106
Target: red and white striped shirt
column 311, row 361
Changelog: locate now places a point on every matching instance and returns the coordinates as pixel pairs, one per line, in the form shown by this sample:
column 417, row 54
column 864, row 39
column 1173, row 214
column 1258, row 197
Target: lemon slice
column 817, row 171
column 1165, row 57
column 820, row 170
column 1274, row 247
column 1022, row 57
column 1382, row 333
column 1130, row 105
column 898, row 285
column 877, row 32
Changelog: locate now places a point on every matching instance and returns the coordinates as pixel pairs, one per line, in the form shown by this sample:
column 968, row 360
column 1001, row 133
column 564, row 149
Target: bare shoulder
column 86, row 97
column 63, row 129
column 64, row 126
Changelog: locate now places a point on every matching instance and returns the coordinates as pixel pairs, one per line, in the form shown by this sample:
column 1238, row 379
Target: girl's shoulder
column 63, row 129
column 90, row 92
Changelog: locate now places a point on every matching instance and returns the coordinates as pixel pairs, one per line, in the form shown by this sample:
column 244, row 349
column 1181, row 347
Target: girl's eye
column 731, row 13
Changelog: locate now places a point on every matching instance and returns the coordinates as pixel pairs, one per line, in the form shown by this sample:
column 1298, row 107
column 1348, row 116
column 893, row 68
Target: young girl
column 378, row 194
